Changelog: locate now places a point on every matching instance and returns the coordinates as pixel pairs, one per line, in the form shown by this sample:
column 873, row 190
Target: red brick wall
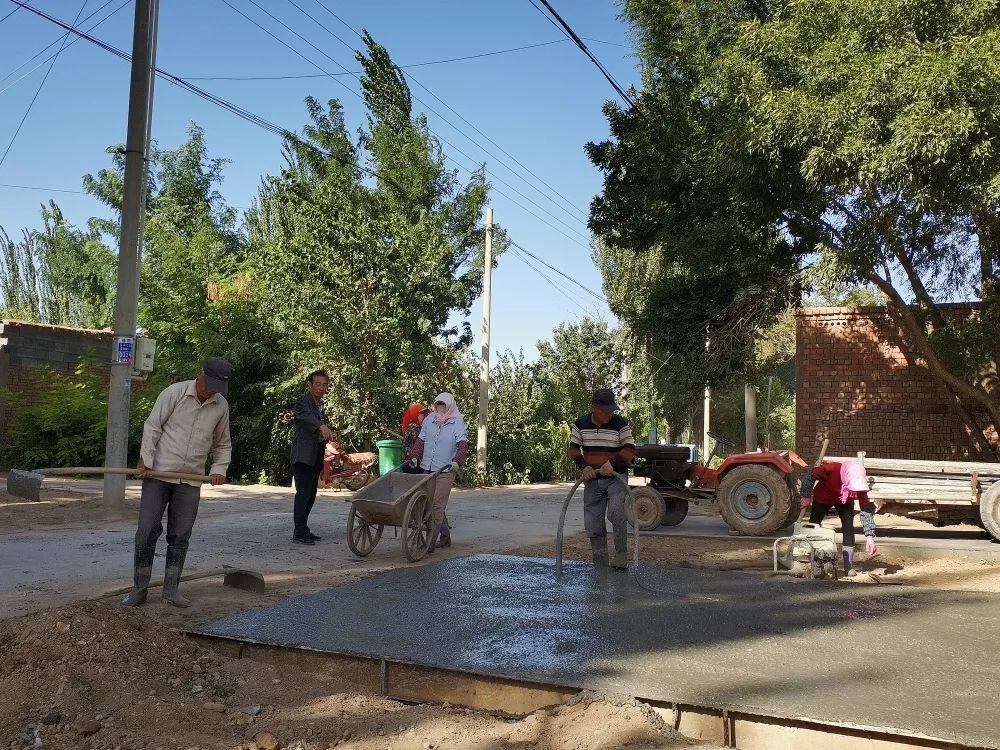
column 854, row 380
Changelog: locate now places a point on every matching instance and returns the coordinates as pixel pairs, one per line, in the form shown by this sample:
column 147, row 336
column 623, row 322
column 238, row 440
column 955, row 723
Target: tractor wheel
column 677, row 511
column 989, row 511
column 650, row 507
column 754, row 500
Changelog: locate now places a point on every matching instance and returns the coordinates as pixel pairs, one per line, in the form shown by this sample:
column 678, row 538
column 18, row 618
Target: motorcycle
column 349, row 471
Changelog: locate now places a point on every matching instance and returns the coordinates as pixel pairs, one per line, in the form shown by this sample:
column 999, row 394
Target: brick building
column 853, row 379
column 25, row 348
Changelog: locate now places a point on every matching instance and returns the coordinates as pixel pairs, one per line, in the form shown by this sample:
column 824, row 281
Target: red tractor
column 757, row 493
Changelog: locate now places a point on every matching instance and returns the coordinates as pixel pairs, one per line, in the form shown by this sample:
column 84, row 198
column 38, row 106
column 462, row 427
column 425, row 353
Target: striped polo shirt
column 593, row 444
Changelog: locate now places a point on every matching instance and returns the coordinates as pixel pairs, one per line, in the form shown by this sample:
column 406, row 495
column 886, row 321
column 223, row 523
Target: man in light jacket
column 308, row 443
column 189, row 420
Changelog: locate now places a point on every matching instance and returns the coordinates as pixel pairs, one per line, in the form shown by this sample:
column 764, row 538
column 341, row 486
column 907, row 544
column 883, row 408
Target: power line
column 42, row 189
column 568, row 202
column 596, row 295
column 40, row 86
column 355, row 93
column 411, row 65
column 550, row 281
column 572, row 35
column 13, row 12
column 38, row 54
column 459, row 130
column 208, row 96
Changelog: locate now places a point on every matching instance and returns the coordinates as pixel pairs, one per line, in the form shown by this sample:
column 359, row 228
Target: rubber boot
column 620, row 560
column 599, row 550
column 849, row 570
column 143, row 564
column 140, row 585
column 172, row 578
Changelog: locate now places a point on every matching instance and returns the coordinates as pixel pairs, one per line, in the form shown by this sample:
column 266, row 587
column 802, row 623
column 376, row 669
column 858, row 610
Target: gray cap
column 605, row 398
column 216, row 371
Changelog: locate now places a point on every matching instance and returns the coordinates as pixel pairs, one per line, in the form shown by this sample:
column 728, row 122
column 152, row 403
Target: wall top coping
column 6, row 324
column 819, row 312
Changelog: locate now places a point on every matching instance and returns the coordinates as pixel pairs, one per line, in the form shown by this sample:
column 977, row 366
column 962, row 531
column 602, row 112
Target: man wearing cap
column 189, row 419
column 601, row 444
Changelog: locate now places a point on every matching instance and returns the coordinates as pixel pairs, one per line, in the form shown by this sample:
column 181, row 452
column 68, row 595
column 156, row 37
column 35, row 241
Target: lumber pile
column 927, row 482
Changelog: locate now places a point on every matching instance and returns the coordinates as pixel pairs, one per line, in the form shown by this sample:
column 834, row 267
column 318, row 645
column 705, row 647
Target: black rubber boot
column 172, row 578
column 620, row 560
column 140, row 585
column 599, row 550
column 143, row 563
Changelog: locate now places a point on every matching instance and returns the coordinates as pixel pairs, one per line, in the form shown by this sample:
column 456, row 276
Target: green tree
column 195, row 292
column 58, row 275
column 854, row 135
column 363, row 250
column 580, row 358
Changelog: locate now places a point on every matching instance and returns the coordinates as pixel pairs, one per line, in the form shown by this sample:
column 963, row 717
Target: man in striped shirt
column 601, row 444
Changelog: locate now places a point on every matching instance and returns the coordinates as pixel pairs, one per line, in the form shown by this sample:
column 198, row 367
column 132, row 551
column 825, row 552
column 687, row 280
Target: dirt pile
column 95, row 675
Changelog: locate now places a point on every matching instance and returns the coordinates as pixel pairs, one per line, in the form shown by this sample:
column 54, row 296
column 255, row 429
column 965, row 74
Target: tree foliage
column 363, row 249
column 59, row 274
column 858, row 135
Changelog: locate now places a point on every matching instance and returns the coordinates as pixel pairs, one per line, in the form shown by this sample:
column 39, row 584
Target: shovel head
column 247, row 580
column 24, row 484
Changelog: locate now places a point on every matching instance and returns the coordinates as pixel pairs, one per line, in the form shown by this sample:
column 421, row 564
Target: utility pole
column 706, row 423
column 484, row 365
column 133, row 203
column 750, row 416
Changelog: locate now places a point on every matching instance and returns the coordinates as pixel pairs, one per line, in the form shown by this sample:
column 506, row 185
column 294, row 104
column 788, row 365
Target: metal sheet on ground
column 902, row 659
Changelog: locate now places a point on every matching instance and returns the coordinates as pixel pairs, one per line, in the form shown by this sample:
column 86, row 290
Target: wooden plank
column 931, row 467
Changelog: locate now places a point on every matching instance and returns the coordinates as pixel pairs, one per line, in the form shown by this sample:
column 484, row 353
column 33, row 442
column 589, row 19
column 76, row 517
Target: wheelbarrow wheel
column 362, row 536
column 359, row 480
column 417, row 527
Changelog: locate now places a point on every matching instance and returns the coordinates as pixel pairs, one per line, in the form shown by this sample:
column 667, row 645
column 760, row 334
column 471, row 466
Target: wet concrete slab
column 901, row 659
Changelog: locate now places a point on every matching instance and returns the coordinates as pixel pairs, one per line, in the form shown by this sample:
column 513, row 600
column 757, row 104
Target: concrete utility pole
column 133, row 202
column 750, row 416
column 706, row 425
column 484, row 366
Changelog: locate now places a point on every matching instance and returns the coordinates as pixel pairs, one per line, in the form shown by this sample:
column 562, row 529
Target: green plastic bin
column 390, row 455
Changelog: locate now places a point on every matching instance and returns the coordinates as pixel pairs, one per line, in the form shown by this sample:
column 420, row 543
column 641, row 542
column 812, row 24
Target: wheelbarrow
column 395, row 499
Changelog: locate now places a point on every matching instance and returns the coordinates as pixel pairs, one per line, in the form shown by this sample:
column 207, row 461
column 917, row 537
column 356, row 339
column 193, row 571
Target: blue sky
column 540, row 105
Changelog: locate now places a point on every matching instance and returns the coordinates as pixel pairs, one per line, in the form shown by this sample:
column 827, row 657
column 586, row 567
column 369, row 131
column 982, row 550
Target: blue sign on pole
column 125, row 350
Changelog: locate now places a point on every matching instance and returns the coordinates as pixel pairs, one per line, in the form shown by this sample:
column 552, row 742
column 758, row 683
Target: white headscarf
column 451, row 409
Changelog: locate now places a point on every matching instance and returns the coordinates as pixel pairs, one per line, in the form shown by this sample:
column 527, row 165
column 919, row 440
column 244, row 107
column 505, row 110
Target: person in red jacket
column 836, row 486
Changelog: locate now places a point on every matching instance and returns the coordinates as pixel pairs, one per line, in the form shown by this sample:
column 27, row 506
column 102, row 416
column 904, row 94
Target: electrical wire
column 38, row 91
column 561, row 24
column 588, row 290
column 516, row 253
column 217, row 100
column 552, row 191
column 42, row 189
column 45, row 49
column 355, row 93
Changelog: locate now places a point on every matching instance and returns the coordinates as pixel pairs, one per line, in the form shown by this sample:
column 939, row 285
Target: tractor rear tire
column 650, row 507
column 989, row 511
column 755, row 500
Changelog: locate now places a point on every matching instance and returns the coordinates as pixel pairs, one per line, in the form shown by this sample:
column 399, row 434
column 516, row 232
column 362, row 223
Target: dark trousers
column 180, row 501
column 818, row 512
column 306, row 483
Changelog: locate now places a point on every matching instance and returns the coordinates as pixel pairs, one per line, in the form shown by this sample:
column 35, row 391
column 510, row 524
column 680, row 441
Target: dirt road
column 88, row 674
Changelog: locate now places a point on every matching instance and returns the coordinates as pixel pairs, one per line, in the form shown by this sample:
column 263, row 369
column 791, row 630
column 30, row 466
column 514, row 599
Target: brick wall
column 26, row 348
column 853, row 379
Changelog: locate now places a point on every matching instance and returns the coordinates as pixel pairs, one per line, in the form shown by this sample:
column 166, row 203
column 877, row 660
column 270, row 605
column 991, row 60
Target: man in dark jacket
column 308, row 442
column 601, row 444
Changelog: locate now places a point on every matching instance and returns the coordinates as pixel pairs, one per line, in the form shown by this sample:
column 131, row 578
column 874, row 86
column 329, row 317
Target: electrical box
column 145, row 349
